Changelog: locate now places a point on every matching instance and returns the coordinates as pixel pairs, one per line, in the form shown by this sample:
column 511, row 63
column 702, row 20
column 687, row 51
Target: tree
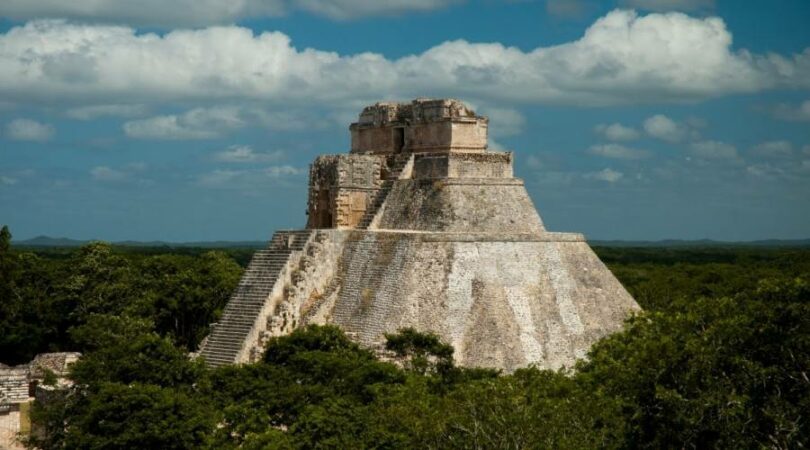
column 139, row 416
column 724, row 373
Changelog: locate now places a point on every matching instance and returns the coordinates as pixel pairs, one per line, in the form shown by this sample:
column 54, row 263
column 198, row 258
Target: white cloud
column 195, row 13
column 533, row 162
column 8, row 181
column 800, row 113
column 669, row 5
column 104, row 173
column 617, row 132
column 246, row 154
column 622, row 58
column 767, row 171
column 96, row 111
column 350, row 9
column 215, row 121
column 715, row 150
column 504, row 121
column 29, row 130
column 617, row 151
column 198, row 123
column 240, row 179
column 662, row 127
column 166, row 127
column 773, row 149
column 608, row 175
column 494, row 145
column 806, row 150
column 280, row 171
column 218, row 177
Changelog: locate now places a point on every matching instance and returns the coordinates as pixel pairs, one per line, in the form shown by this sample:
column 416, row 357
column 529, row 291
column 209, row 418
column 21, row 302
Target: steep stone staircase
column 393, row 172
column 227, row 338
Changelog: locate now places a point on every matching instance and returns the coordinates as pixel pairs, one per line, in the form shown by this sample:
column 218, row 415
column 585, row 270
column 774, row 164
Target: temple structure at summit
column 420, row 225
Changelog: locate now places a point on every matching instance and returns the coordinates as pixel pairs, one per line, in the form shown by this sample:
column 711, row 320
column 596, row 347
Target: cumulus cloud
column 607, row 175
column 237, row 179
column 350, row 9
column 213, row 122
column 218, row 177
column 622, row 58
column 280, row 171
column 198, row 123
column 713, row 150
column 534, row 162
column 504, row 121
column 29, row 130
column 195, row 13
column 95, row 111
column 104, row 173
column 617, row 151
column 669, row 5
column 800, row 113
column 662, row 127
column 8, row 181
column 166, row 127
column 773, row 149
column 617, row 132
column 246, row 154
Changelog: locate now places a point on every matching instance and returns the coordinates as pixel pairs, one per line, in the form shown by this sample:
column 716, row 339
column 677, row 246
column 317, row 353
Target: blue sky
column 196, row 120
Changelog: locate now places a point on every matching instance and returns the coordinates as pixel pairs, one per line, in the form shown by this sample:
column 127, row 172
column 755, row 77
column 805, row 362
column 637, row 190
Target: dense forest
column 720, row 358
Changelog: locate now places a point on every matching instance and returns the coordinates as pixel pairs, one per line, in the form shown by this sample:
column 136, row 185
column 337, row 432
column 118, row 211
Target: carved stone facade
column 19, row 386
column 423, row 125
column 342, row 188
column 420, row 226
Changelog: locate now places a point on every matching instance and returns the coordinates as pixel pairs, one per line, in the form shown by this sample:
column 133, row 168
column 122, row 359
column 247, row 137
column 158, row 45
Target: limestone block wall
column 460, row 205
column 313, row 284
column 11, row 424
column 501, row 301
column 447, row 135
column 14, row 385
column 274, row 307
column 423, row 125
column 309, row 280
column 463, row 165
column 342, row 188
column 378, row 140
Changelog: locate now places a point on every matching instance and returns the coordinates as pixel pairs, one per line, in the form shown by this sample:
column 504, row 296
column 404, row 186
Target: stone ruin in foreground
column 419, row 225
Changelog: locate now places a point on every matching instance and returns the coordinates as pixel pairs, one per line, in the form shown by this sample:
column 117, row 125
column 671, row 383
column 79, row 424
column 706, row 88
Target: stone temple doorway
column 398, row 139
column 323, row 212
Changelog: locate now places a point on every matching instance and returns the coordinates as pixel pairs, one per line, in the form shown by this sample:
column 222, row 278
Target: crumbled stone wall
column 14, row 392
column 14, row 385
column 58, row 363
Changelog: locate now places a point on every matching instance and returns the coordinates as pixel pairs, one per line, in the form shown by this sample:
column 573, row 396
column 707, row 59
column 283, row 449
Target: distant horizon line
column 49, row 241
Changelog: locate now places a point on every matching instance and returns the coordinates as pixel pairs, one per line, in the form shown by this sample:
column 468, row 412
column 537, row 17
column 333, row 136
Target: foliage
column 720, row 373
column 719, row 359
column 423, row 352
column 47, row 294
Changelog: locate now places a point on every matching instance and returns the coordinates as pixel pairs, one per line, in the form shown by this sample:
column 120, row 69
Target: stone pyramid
column 419, row 225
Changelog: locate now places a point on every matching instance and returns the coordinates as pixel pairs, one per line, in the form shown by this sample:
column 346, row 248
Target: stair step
column 250, row 296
